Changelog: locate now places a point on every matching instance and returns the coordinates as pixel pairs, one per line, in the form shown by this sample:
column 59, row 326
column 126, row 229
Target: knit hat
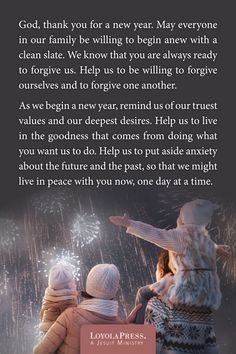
column 197, row 212
column 61, row 277
column 103, row 281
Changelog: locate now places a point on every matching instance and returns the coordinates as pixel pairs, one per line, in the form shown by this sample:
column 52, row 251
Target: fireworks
column 4, row 280
column 51, row 221
column 8, row 233
column 51, row 202
column 52, row 257
column 85, row 229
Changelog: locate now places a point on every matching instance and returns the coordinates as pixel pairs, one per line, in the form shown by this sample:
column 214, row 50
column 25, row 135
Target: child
column 164, row 278
column 60, row 294
column 192, row 254
column 102, row 284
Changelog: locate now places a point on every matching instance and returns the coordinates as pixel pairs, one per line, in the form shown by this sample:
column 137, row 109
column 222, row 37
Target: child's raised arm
column 170, row 240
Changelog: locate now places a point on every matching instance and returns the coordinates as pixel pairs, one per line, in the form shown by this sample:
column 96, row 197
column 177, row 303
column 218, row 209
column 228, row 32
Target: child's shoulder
column 68, row 314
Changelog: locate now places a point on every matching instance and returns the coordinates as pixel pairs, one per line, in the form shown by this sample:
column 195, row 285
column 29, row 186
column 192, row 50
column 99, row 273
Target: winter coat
column 193, row 260
column 54, row 303
column 64, row 335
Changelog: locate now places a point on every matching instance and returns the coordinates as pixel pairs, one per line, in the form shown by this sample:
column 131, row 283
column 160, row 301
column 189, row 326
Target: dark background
column 41, row 230
column 209, row 89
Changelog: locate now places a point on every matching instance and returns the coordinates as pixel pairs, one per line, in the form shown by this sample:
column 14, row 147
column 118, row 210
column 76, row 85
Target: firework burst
column 52, row 257
column 51, row 202
column 85, row 229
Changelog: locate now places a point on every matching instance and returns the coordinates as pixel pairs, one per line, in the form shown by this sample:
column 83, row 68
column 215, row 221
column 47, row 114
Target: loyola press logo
column 125, row 339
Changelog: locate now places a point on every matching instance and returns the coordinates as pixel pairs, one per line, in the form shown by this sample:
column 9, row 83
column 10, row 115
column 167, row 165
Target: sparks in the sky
column 4, row 280
column 51, row 202
column 52, row 257
column 85, row 229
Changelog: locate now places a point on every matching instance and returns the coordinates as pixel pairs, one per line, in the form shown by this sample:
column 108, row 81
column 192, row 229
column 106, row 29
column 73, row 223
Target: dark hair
column 86, row 295
column 163, row 261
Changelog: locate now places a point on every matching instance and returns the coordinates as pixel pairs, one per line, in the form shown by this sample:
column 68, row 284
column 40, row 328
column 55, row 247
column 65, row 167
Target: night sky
column 43, row 228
